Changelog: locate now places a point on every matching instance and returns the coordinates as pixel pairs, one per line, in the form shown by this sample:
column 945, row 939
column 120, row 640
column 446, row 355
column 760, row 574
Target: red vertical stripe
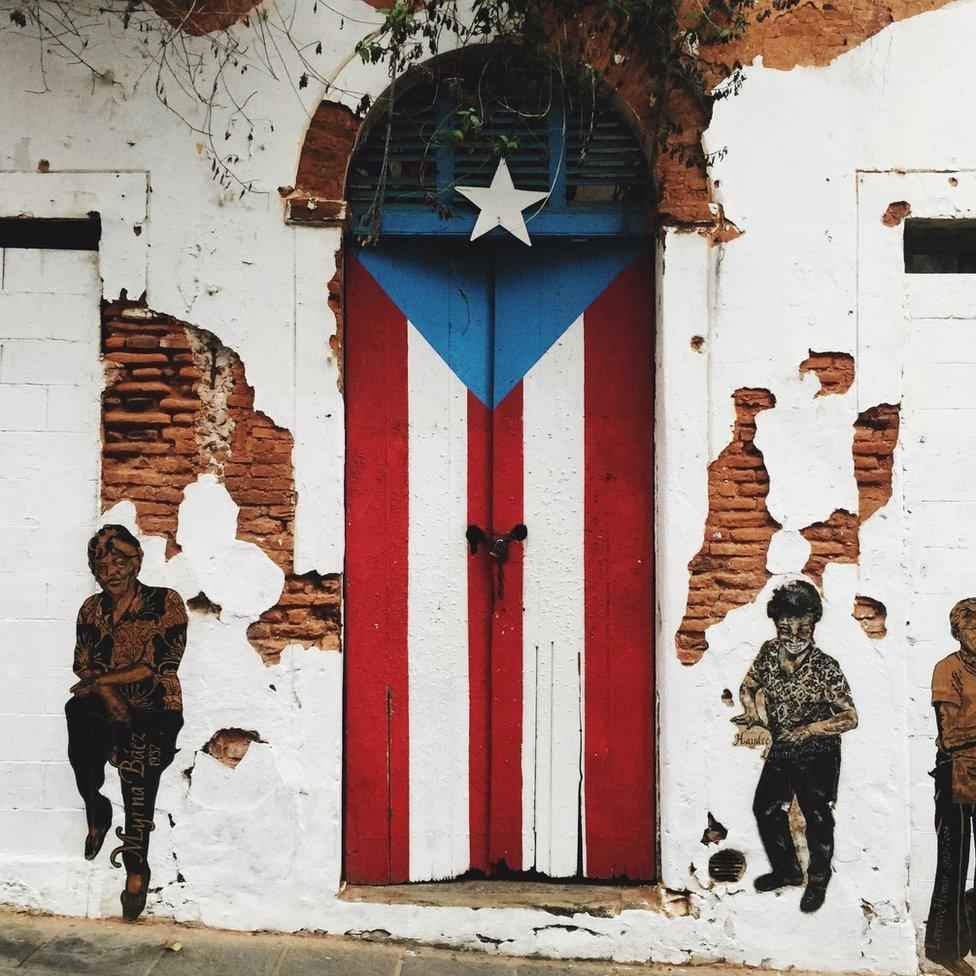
column 479, row 630
column 376, row 833
column 505, row 837
column 619, row 578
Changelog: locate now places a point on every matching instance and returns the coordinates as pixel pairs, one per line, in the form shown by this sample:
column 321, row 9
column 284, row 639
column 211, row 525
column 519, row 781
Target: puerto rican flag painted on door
column 487, row 730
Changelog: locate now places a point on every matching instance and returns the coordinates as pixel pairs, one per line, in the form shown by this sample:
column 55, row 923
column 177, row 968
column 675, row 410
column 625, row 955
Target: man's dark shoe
column 814, row 896
column 958, row 967
column 774, row 881
column 93, row 842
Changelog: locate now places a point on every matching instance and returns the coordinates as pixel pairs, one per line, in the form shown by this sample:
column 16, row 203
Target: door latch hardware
column 497, row 545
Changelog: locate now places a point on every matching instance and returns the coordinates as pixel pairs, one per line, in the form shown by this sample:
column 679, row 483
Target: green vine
column 666, row 35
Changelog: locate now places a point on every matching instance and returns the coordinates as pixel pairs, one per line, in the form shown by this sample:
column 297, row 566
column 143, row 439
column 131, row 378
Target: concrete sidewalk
column 41, row 945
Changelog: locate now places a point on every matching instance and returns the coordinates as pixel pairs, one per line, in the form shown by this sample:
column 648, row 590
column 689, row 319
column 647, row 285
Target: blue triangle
column 444, row 288
column 541, row 291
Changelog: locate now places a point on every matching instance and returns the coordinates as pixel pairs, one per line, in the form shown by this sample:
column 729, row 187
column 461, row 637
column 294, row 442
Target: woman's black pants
column 948, row 932
column 142, row 751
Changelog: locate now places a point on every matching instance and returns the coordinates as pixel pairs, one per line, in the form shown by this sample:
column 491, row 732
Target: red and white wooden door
column 499, row 719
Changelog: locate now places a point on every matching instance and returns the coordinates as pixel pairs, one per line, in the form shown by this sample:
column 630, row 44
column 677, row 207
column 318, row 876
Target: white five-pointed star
column 501, row 205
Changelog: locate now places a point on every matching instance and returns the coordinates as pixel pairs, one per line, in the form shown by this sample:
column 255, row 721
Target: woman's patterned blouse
column 151, row 632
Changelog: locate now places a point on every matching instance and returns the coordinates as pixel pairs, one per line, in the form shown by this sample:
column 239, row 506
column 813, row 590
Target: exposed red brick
column 306, row 614
column 838, row 539
column 229, row 746
column 875, row 437
column 896, row 213
column 872, row 615
column 193, row 413
column 730, row 568
column 319, row 193
column 833, row 541
column 835, row 370
column 199, row 17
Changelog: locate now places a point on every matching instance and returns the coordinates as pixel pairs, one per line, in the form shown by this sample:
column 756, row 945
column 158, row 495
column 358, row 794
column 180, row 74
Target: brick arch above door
column 319, row 194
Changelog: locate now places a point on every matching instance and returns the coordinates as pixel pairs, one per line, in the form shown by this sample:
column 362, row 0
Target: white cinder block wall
column 50, row 446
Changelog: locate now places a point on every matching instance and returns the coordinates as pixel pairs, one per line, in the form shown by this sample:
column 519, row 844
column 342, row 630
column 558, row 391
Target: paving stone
column 98, row 951
column 204, row 955
column 18, row 939
column 461, row 964
column 310, row 958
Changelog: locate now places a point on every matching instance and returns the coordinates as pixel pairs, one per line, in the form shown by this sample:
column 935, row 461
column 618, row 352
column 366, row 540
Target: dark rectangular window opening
column 940, row 246
column 81, row 234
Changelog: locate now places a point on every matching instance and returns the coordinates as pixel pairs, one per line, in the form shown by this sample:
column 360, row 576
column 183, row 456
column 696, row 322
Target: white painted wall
column 259, row 846
column 50, row 383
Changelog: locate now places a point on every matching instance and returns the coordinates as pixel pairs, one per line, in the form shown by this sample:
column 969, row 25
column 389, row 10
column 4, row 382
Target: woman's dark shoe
column 133, row 902
column 774, row 881
column 958, row 967
column 94, row 841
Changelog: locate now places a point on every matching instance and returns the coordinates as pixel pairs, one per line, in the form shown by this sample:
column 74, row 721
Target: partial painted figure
column 127, row 707
column 806, row 705
column 949, row 930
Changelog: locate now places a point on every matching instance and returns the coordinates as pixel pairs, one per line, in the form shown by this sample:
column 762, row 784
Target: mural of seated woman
column 126, row 708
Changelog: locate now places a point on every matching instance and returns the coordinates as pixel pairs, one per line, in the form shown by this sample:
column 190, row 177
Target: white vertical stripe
column 553, row 623
column 437, row 616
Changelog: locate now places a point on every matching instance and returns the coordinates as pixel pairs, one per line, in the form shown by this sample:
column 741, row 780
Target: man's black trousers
column 948, row 931
column 809, row 772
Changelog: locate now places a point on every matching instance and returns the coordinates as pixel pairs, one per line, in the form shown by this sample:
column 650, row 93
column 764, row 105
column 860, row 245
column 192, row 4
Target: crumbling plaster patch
column 179, row 405
column 932, row 315
column 835, row 370
column 730, row 568
column 871, row 615
column 742, row 544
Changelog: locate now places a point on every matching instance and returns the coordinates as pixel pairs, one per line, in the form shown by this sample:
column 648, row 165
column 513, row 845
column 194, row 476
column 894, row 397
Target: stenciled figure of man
column 127, row 707
column 808, row 705
column 949, row 931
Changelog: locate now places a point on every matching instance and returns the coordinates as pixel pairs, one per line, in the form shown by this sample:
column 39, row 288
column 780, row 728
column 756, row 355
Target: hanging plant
column 666, row 35
column 569, row 50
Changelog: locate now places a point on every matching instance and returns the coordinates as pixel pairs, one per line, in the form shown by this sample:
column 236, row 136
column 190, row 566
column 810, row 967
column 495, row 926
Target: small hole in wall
column 698, row 343
column 953, row 181
column 201, row 603
column 727, row 698
column 727, row 866
column 897, row 211
column 229, row 746
column 715, row 832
